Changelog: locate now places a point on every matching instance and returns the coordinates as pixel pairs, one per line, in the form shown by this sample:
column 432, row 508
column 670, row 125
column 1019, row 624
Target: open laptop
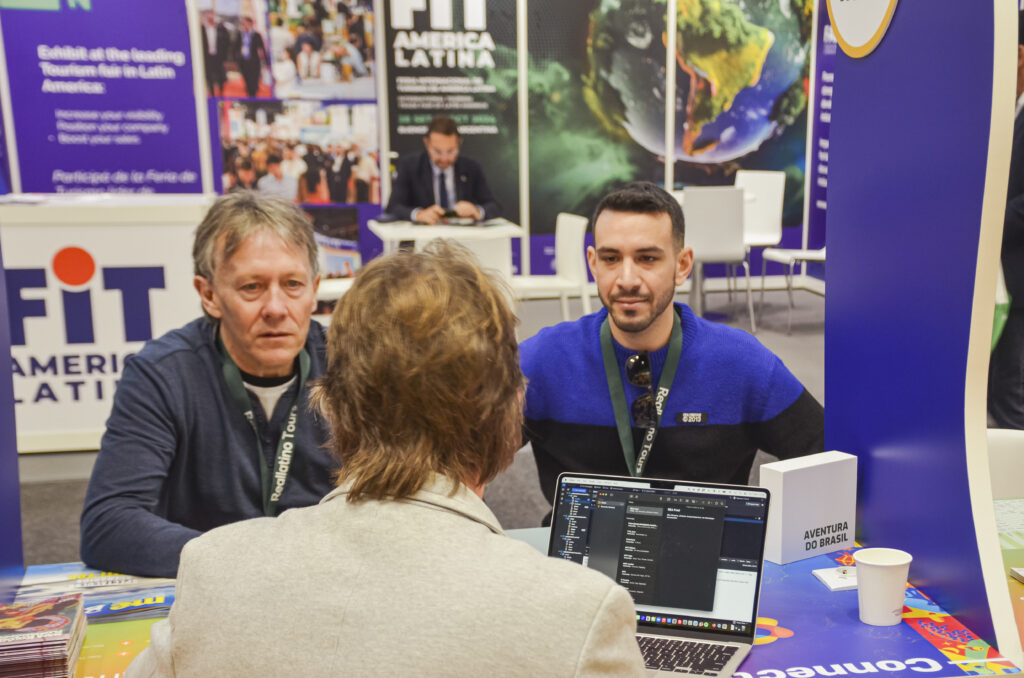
column 689, row 553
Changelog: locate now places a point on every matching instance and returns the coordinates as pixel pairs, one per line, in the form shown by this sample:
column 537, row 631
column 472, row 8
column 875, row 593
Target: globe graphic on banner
column 739, row 73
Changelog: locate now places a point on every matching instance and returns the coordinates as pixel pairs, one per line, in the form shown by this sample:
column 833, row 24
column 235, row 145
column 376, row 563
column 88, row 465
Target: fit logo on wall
column 56, row 313
column 442, row 46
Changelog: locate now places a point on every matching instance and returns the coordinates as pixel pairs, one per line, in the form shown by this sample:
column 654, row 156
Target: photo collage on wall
column 293, row 110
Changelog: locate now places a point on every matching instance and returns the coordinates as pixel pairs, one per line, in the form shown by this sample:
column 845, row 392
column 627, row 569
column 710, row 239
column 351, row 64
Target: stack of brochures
column 108, row 596
column 41, row 637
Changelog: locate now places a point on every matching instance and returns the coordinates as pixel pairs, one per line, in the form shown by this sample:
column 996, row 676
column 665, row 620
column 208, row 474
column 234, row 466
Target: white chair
column 332, row 289
column 570, row 277
column 789, row 258
column 762, row 208
column 1006, row 462
column 714, row 229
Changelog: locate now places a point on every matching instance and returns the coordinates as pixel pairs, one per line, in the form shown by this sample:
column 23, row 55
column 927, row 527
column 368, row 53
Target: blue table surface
column 805, row 630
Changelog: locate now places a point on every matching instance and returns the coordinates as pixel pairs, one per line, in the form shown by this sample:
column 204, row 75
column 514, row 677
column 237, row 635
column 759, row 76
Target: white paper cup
column 881, row 584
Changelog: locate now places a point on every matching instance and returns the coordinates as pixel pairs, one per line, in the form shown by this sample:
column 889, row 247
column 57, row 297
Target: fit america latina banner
column 102, row 96
column 457, row 58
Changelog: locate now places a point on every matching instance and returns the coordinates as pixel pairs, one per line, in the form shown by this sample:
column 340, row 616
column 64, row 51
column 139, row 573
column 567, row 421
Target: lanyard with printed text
column 618, row 394
column 272, row 486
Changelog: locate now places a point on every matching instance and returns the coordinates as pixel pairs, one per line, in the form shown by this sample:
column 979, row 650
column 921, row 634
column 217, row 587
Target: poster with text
column 101, row 96
column 457, row 59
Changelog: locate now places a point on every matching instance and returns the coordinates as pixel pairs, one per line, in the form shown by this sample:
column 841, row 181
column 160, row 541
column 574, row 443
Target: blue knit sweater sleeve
column 121, row 528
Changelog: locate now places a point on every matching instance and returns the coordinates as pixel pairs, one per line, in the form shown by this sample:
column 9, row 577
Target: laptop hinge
column 694, row 635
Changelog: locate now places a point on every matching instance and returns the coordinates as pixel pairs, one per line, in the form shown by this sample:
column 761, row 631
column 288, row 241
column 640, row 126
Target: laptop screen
column 689, row 553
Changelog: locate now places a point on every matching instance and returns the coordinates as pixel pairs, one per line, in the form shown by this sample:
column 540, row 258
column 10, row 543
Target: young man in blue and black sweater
column 644, row 386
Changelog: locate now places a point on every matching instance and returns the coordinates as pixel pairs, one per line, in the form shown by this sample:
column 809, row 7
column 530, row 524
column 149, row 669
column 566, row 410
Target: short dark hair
column 442, row 124
column 243, row 164
column 273, row 159
column 1020, row 28
column 643, row 197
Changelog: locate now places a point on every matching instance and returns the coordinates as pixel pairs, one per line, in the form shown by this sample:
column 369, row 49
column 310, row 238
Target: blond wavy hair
column 422, row 375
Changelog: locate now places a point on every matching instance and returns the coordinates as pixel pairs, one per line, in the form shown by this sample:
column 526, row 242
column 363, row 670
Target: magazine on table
column 41, row 636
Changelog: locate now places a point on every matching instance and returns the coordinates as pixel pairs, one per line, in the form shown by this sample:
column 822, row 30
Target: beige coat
column 425, row 587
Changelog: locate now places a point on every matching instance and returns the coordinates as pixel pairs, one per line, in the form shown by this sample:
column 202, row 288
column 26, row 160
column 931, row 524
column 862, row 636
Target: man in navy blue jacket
column 438, row 180
column 646, row 387
column 210, row 422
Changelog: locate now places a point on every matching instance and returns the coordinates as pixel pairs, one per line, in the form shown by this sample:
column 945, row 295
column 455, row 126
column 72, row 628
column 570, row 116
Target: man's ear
column 592, row 260
column 206, row 296
column 316, row 288
column 684, row 265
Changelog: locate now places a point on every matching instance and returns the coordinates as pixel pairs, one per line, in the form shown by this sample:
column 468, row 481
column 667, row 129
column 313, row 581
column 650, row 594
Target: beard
column 640, row 319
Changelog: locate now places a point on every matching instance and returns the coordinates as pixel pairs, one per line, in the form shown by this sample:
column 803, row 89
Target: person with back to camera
column 595, row 383
column 210, row 423
column 402, row 570
column 436, row 180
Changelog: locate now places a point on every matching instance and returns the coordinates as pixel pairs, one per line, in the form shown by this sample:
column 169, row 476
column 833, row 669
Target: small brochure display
column 813, row 509
column 41, row 637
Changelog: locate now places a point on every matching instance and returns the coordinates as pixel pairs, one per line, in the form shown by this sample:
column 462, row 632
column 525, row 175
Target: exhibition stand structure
column 917, row 191
column 11, row 561
column 914, row 226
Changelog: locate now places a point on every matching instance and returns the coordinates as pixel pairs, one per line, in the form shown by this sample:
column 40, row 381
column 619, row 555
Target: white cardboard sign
column 813, row 506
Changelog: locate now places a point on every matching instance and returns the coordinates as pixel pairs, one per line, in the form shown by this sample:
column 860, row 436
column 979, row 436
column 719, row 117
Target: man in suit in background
column 437, row 180
column 1006, row 368
column 402, row 570
column 216, row 44
column 252, row 55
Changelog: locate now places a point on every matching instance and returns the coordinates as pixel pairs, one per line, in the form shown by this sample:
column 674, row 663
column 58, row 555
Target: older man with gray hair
column 210, row 423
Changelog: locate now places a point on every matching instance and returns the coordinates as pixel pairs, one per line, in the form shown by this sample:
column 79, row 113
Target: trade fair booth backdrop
column 561, row 101
column 564, row 100
column 914, row 232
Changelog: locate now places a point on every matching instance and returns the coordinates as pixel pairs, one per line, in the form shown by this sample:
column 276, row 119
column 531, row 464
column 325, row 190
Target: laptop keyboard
column 684, row 656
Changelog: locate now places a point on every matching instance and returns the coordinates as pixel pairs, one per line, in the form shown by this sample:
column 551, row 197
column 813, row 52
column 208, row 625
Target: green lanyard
column 618, row 394
column 273, row 486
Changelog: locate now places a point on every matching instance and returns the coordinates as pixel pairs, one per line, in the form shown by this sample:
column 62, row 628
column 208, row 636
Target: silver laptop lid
column 689, row 553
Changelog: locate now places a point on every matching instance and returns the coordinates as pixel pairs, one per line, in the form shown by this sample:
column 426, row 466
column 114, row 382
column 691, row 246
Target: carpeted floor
column 49, row 520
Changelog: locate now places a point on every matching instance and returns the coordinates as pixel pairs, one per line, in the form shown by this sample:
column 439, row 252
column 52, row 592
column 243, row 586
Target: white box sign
column 813, row 506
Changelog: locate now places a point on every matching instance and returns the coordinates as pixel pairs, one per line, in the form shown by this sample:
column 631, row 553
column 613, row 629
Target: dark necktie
column 442, row 191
